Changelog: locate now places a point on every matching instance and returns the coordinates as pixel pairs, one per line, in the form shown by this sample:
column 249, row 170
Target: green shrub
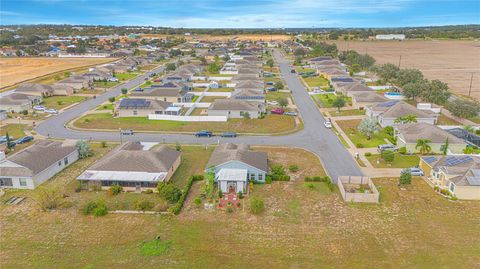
column 144, row 205
column 155, row 247
column 220, row 193
column 402, row 150
column 100, row 210
column 111, row 99
column 25, row 112
column 148, row 191
column 88, row 208
column 198, row 201
column 359, row 145
column 293, row 168
column 405, row 178
column 169, row 192
column 240, row 195
column 103, row 144
column 256, row 205
column 178, row 206
column 268, row 179
column 307, row 178
column 229, row 209
column 368, row 154
column 310, row 186
column 115, row 190
column 49, row 198
column 388, row 155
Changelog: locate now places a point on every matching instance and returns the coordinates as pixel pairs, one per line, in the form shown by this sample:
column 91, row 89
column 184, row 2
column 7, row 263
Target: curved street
column 314, row 137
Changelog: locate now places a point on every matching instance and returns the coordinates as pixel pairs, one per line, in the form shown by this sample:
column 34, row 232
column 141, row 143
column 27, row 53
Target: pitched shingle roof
column 413, row 131
column 231, row 152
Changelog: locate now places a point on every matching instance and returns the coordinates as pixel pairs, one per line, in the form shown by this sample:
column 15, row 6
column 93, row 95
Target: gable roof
column 38, row 157
column 395, row 109
column 369, row 96
column 413, row 131
column 231, row 104
column 231, row 152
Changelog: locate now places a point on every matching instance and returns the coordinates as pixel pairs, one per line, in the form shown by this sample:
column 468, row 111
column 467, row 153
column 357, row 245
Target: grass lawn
column 14, row 130
column 197, row 89
column 347, row 112
column 270, row 124
column 194, row 162
column 206, row 74
column 350, row 128
column 271, row 69
column 344, row 142
column 410, row 228
column 126, row 76
column 316, row 81
column 304, row 69
column 475, row 119
column 220, row 90
column 326, row 100
column 107, row 106
column 59, row 102
column 210, row 99
column 400, row 161
column 274, row 96
column 444, row 120
column 105, row 84
column 198, row 112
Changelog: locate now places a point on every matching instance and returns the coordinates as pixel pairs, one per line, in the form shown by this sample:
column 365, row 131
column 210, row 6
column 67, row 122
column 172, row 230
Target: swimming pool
column 393, row 95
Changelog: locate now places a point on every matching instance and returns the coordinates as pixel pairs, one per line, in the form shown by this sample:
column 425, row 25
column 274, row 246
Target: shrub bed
column 178, row 206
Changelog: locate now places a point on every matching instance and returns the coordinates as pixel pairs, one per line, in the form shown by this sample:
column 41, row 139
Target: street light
column 120, row 132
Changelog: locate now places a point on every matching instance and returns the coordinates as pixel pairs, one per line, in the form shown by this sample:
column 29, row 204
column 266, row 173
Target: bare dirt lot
column 245, row 37
column 450, row 61
column 15, row 70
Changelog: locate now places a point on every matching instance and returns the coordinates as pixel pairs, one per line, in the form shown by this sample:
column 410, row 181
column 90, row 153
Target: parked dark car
column 127, row 132
column 24, row 139
column 12, row 144
column 278, row 111
column 229, row 134
column 293, row 71
column 203, row 133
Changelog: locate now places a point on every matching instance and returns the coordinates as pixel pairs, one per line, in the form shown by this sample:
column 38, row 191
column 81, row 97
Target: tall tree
column 368, row 127
column 437, row 93
column 406, row 119
column 424, row 146
column 339, row 102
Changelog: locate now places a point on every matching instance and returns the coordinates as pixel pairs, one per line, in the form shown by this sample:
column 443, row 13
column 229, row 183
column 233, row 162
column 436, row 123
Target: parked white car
column 51, row 111
column 39, row 108
column 273, row 103
column 328, row 124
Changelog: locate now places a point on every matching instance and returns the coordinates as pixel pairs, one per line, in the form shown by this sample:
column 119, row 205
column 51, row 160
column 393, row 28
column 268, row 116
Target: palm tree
column 406, row 119
column 423, row 145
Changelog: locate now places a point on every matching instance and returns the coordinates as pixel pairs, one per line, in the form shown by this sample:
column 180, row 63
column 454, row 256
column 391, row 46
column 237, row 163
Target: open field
column 242, row 37
column 450, row 61
column 16, row 70
column 270, row 124
column 304, row 225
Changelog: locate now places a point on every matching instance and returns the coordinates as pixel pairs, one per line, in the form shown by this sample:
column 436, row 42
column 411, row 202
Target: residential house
column 236, row 108
column 236, row 165
column 173, row 95
column 133, row 167
column 128, row 107
column 44, row 90
column 77, row 82
column 408, row 134
column 249, row 95
column 350, row 88
column 386, row 113
column 36, row 164
column 18, row 102
column 361, row 100
column 3, row 114
column 460, row 174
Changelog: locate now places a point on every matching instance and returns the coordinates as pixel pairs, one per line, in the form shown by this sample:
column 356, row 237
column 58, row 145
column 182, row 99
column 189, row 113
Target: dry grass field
column 244, row 37
column 450, row 61
column 15, row 70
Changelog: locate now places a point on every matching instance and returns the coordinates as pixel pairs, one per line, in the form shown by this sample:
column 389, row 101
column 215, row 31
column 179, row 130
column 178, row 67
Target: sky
column 242, row 13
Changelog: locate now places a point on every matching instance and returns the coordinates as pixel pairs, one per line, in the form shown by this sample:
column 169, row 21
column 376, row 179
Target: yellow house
column 460, row 174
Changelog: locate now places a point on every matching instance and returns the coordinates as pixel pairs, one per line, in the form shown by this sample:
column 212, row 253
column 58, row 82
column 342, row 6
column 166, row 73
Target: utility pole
column 470, row 90
column 400, row 61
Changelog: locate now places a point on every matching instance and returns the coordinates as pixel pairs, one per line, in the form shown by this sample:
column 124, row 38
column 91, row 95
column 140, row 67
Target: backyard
column 326, row 100
column 59, row 102
column 316, row 81
column 359, row 139
column 409, row 228
column 126, row 76
column 105, row 84
column 210, row 99
column 270, row 124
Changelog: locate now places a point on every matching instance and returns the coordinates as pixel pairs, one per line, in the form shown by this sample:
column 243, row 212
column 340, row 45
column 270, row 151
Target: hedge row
column 280, row 177
column 318, row 179
column 178, row 206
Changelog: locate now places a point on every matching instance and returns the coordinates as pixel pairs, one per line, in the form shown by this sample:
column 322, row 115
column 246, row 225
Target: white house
column 386, row 113
column 36, row 164
column 236, row 165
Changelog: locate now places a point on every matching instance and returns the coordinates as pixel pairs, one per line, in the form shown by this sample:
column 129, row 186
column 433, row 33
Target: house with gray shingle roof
column 408, row 134
column 236, row 108
column 235, row 165
column 133, row 167
column 36, row 164
column 386, row 113
column 366, row 98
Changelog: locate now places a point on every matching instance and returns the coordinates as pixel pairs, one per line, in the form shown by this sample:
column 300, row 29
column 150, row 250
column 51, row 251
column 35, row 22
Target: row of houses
column 131, row 165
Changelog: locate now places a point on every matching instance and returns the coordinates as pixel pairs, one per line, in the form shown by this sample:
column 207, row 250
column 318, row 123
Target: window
column 452, row 187
column 59, row 163
column 252, row 176
column 260, row 177
column 6, row 182
column 65, row 160
column 23, row 182
column 135, row 112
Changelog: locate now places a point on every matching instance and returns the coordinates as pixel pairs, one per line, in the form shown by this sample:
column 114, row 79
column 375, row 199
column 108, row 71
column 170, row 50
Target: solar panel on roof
column 474, row 181
column 430, row 159
column 453, row 160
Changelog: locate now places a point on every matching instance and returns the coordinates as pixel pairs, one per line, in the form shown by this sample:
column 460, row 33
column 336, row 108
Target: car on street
column 387, row 147
column 203, row 133
column 127, row 132
column 12, row 144
column 328, row 124
column 414, row 171
column 290, row 113
column 292, row 71
column 39, row 108
column 3, row 139
column 278, row 111
column 272, row 89
column 273, row 103
column 24, row 139
column 51, row 111
column 229, row 134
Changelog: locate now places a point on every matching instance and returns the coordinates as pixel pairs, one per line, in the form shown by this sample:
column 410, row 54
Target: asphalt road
column 314, row 137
